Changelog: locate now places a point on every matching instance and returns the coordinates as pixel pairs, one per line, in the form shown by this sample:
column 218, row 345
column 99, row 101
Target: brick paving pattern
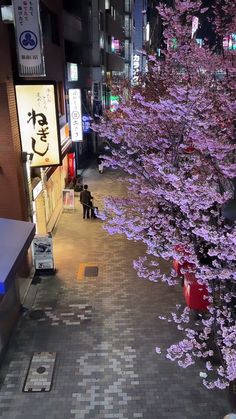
column 104, row 330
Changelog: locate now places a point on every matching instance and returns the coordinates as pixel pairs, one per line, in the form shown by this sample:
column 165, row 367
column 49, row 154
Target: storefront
column 47, row 193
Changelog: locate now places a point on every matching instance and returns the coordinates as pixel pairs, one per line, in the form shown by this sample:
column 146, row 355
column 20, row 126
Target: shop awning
column 15, row 239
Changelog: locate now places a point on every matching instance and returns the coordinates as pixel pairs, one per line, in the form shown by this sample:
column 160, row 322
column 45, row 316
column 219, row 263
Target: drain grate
column 91, row 271
column 40, row 373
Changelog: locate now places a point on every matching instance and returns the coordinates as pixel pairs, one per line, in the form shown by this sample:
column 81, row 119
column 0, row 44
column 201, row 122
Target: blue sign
column 28, row 40
column 86, row 119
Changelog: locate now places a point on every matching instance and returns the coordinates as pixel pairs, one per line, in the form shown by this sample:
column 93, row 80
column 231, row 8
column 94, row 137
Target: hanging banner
column 71, row 165
column 75, row 115
column 43, row 253
column 38, row 122
column 28, row 33
column 68, row 198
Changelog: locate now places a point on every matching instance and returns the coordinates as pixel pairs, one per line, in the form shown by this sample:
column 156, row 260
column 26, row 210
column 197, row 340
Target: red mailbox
column 195, row 294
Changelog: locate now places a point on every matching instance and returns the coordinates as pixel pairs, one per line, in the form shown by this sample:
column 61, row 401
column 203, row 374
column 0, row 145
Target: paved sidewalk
column 104, row 330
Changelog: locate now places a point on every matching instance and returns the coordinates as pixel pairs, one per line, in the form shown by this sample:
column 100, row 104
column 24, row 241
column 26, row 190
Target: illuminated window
column 147, row 32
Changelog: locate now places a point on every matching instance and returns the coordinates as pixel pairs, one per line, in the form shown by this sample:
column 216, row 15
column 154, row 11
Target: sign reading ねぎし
column 38, row 123
column 76, row 127
column 28, row 33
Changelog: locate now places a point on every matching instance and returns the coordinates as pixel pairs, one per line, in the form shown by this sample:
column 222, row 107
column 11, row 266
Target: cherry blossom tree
column 174, row 136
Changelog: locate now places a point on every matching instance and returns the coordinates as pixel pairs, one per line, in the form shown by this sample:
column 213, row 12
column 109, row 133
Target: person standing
column 86, row 199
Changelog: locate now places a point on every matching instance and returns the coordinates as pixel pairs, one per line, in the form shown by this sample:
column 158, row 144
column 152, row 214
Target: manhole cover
column 40, row 373
column 41, row 370
column 91, row 271
column 37, row 314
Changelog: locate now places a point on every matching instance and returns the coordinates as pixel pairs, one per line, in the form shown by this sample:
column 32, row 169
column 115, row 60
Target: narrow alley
column 103, row 327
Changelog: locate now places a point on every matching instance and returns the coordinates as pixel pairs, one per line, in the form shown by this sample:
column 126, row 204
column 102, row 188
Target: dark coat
column 85, row 197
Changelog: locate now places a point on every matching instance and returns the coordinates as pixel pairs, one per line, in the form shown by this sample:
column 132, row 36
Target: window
column 107, row 4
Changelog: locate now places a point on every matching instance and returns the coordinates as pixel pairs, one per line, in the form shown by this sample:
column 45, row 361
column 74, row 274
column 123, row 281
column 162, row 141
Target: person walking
column 100, row 164
column 86, row 199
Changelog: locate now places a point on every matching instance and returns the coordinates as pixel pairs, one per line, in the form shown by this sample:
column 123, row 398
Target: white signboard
column 68, row 198
column 38, row 123
column 76, row 126
column 43, row 254
column 136, row 68
column 28, row 34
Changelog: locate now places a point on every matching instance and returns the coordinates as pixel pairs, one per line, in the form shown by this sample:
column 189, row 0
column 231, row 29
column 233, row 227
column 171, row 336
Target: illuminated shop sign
column 72, row 71
column 75, row 115
column 136, row 68
column 86, row 123
column 38, row 123
column 28, row 33
column 172, row 43
column 115, row 45
column 229, row 42
column 114, row 103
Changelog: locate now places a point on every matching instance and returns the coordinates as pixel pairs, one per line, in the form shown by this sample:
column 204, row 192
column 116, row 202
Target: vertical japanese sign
column 75, row 115
column 28, row 34
column 136, row 69
column 38, row 123
column 97, row 99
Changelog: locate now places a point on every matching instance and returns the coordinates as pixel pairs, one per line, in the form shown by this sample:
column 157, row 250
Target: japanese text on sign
column 38, row 123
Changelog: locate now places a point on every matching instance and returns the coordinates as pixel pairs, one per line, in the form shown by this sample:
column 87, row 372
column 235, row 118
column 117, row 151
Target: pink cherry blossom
column 173, row 135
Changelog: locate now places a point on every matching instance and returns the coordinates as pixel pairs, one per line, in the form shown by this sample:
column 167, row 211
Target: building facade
column 82, row 54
